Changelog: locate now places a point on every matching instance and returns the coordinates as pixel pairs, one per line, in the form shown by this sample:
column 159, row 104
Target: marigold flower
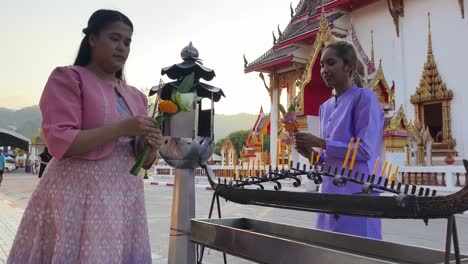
column 290, row 127
column 167, row 106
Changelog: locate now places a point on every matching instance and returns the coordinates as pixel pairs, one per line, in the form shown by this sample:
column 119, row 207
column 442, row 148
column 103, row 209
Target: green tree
column 237, row 138
column 266, row 143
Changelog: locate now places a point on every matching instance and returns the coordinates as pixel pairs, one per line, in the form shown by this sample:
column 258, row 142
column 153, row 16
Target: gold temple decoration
column 422, row 137
column 432, row 96
column 397, row 131
column 397, row 10
column 399, row 122
column 462, row 7
column 228, row 150
column 380, row 86
column 323, row 39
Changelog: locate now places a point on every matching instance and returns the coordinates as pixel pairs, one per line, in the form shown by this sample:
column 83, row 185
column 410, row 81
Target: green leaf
column 291, row 108
column 187, row 83
column 281, row 109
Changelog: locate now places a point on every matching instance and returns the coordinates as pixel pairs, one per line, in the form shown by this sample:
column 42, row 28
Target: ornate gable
column 384, row 93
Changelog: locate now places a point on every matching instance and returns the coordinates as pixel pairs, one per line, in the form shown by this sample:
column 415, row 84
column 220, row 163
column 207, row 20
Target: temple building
column 409, row 53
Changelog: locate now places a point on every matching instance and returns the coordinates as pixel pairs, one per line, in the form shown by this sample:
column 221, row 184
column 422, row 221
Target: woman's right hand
column 137, row 126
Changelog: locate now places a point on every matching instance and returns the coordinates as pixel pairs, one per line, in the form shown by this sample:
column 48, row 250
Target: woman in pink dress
column 88, row 208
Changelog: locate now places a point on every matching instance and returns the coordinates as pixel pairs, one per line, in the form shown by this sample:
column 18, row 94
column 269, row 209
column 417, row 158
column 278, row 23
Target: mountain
column 225, row 124
column 28, row 120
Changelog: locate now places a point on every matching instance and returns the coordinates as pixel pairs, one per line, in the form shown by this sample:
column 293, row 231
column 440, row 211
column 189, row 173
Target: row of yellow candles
column 283, row 148
column 247, row 171
column 376, row 166
column 345, row 162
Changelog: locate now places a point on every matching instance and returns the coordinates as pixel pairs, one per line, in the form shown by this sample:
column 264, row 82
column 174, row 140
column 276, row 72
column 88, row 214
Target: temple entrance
column 433, row 120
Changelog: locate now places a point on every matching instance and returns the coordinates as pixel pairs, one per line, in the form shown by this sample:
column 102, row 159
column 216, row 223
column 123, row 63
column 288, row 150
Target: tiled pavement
column 9, row 222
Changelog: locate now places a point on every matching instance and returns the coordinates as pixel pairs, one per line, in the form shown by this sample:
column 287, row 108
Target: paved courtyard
column 17, row 188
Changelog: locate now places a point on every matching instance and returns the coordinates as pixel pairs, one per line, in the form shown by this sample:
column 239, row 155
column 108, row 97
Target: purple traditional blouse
column 356, row 113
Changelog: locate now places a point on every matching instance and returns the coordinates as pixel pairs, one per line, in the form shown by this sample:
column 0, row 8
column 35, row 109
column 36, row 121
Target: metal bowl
column 180, row 154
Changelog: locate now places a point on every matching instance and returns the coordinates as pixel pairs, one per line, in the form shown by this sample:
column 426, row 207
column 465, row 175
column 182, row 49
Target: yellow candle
column 253, row 166
column 350, row 146
column 384, row 168
column 312, row 158
column 258, row 166
column 376, row 166
column 318, row 155
column 248, row 167
column 356, row 147
column 395, row 175
column 389, row 171
column 282, row 157
column 289, row 156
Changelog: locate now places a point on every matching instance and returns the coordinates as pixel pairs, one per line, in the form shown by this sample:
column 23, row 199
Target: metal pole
column 448, row 241
column 181, row 249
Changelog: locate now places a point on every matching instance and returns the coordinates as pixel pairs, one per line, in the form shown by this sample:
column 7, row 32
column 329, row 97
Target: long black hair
column 347, row 53
column 98, row 22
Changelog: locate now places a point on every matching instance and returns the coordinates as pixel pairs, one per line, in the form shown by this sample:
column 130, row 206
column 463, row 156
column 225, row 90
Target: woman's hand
column 138, row 126
column 304, row 151
column 308, row 141
column 154, row 139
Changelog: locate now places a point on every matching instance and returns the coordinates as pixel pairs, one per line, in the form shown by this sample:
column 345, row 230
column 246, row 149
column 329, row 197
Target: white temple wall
column 403, row 58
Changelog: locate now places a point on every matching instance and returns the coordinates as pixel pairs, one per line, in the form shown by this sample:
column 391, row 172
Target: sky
column 37, row 36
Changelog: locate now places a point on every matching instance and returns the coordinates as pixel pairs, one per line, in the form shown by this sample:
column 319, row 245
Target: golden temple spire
column 430, row 85
column 372, row 48
column 429, row 38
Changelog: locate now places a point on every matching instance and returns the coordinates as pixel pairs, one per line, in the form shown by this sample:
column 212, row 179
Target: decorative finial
column 291, row 9
column 462, row 8
column 372, row 48
column 189, row 52
column 245, row 62
column 280, row 34
column 323, row 19
column 274, row 37
column 429, row 35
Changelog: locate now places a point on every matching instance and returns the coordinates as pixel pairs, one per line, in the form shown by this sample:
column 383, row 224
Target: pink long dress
column 86, row 211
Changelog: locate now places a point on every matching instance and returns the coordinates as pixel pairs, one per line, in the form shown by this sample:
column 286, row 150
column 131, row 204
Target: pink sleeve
column 61, row 110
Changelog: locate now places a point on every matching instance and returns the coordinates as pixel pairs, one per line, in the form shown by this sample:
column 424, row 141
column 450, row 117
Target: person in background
column 2, row 165
column 351, row 112
column 88, row 208
column 45, row 158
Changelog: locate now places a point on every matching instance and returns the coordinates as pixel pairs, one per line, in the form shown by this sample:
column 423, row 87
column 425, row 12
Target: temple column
column 274, row 86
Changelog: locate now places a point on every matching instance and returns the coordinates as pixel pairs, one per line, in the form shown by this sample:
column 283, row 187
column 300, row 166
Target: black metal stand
column 202, row 248
column 452, row 232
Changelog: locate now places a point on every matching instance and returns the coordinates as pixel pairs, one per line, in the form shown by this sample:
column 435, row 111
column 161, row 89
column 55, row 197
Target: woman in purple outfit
column 88, row 208
column 351, row 112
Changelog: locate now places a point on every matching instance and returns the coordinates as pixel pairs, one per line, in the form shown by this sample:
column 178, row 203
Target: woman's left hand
column 307, row 140
column 154, row 139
